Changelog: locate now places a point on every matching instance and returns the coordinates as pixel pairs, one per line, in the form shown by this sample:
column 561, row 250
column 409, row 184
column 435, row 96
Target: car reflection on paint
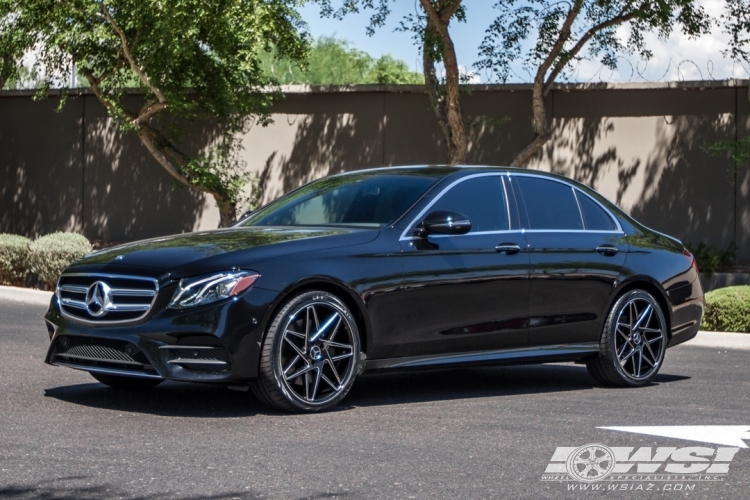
column 394, row 268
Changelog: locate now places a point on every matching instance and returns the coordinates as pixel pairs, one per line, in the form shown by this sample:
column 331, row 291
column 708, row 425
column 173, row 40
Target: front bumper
column 218, row 343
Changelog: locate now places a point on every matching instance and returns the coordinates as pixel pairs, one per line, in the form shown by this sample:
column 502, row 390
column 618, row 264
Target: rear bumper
column 217, row 343
column 687, row 312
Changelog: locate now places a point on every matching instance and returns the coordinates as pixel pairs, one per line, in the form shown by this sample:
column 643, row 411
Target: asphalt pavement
column 471, row 433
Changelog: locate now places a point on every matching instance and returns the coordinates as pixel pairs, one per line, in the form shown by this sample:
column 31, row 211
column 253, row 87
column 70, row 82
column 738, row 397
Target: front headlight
column 206, row 289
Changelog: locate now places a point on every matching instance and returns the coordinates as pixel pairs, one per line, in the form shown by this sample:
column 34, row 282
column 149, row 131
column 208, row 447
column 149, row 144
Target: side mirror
column 444, row 222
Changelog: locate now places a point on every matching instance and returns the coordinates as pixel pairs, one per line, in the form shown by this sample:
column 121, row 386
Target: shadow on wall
column 40, row 158
column 640, row 153
column 127, row 194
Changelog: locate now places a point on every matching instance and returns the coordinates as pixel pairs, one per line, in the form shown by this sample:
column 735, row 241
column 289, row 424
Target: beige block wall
column 641, row 145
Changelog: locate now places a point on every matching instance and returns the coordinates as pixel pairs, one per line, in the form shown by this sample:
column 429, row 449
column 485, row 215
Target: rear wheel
column 128, row 383
column 633, row 342
column 310, row 355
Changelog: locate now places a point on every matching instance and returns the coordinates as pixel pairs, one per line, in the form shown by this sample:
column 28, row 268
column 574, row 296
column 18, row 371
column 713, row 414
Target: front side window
column 481, row 199
column 548, row 204
column 368, row 200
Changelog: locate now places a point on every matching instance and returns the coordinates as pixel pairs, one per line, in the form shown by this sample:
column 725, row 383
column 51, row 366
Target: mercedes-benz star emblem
column 98, row 299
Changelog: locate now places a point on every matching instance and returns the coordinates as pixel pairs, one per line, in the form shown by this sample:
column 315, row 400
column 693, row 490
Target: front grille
column 100, row 352
column 106, row 298
column 199, row 352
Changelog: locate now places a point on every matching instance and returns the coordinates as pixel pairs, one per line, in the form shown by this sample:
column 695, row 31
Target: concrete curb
column 720, row 340
column 25, row 295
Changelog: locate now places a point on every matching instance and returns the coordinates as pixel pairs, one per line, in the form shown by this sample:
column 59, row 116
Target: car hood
column 208, row 251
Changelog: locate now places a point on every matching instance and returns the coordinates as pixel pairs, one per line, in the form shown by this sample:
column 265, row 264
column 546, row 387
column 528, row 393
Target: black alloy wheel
column 310, row 355
column 633, row 342
column 126, row 383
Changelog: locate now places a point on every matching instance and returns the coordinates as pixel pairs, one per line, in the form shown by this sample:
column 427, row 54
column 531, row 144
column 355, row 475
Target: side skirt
column 569, row 352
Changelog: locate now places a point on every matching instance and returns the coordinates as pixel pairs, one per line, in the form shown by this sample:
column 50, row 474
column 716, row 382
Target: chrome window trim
column 103, row 275
column 411, row 225
column 580, row 212
column 617, row 222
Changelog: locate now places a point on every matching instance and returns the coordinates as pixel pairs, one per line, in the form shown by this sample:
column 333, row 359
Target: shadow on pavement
column 205, row 401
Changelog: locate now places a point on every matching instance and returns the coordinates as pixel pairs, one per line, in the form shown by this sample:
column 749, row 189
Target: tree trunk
column 447, row 105
column 227, row 210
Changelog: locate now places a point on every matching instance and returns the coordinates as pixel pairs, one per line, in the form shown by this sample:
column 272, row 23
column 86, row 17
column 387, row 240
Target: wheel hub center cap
column 315, row 353
column 637, row 338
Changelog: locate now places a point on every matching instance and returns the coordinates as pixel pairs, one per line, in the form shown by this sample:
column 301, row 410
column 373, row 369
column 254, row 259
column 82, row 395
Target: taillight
column 691, row 260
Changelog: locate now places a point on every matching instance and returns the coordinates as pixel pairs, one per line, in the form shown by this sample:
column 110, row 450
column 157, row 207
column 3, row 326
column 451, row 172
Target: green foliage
column 712, row 259
column 334, row 62
column 739, row 151
column 51, row 254
column 15, row 40
column 195, row 59
column 14, row 259
column 727, row 310
column 530, row 31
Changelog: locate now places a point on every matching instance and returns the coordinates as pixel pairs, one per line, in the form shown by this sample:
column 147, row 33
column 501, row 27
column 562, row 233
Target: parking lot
column 470, row 433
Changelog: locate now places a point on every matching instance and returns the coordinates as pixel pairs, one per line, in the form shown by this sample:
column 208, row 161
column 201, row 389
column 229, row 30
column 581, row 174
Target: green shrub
column 728, row 310
column 712, row 259
column 14, row 259
column 52, row 253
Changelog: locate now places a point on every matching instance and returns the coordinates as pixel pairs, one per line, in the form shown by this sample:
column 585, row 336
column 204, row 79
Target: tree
column 193, row 59
column 431, row 29
column 334, row 62
column 15, row 40
column 561, row 30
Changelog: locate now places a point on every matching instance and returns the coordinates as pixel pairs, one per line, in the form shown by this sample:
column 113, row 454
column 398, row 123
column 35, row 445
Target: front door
column 467, row 292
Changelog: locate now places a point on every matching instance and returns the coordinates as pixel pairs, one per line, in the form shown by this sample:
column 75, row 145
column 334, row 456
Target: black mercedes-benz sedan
column 384, row 269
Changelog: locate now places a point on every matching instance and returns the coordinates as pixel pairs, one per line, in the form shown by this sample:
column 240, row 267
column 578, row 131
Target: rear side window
column 594, row 217
column 481, row 199
column 548, row 204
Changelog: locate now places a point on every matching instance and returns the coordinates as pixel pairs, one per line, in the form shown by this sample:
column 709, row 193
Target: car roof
column 453, row 170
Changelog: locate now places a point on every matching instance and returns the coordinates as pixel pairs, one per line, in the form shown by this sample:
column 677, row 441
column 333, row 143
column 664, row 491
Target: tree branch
column 148, row 111
column 623, row 18
column 129, row 56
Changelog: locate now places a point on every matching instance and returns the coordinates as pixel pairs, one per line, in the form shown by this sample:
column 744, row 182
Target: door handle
column 608, row 250
column 508, row 248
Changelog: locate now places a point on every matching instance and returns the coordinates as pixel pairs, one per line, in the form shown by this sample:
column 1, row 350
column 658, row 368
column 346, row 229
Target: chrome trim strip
column 484, row 356
column 74, row 288
column 104, row 276
column 180, row 361
column 580, row 212
column 73, row 303
column 132, row 293
column 103, row 360
column 189, row 347
column 108, row 371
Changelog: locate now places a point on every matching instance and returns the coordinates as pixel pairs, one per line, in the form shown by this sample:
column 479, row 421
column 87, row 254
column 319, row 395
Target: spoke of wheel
column 307, row 384
column 318, row 373
column 335, row 344
column 341, row 356
column 336, row 328
column 333, row 367
column 624, row 335
column 291, row 364
column 627, row 357
column 645, row 358
column 304, row 371
column 650, row 330
column 294, row 346
column 651, row 341
column 622, row 351
column 650, row 351
column 640, row 363
column 646, row 314
column 327, row 381
column 315, row 316
column 307, row 329
column 296, row 334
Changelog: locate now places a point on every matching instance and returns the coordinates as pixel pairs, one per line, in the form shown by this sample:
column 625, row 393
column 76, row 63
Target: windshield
column 369, row 200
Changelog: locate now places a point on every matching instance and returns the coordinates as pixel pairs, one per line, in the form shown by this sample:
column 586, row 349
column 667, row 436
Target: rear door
column 576, row 253
column 467, row 292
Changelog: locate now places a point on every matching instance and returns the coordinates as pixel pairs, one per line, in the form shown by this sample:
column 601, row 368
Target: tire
column 631, row 350
column 310, row 355
column 126, row 383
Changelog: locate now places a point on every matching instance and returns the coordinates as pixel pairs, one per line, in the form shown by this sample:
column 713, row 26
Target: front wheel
column 633, row 342
column 127, row 383
column 310, row 355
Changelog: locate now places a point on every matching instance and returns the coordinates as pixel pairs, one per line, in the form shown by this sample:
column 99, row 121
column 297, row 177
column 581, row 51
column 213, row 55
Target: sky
column 678, row 58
